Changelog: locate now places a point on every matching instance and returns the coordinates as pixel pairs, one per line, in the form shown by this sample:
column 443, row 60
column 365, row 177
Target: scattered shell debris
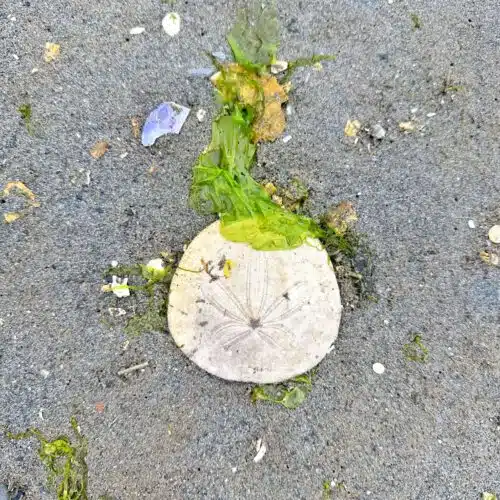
column 171, row 23
column 408, row 126
column 378, row 368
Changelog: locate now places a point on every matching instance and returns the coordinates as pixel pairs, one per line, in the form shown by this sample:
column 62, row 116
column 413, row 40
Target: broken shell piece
column 167, row 118
column 352, row 128
column 137, row 30
column 407, row 126
column 261, row 451
column 201, row 114
column 171, row 23
column 279, row 67
column 120, row 287
column 494, row 234
column 490, row 258
column 377, row 131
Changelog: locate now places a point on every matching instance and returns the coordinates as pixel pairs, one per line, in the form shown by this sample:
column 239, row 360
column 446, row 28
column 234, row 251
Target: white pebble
column 13, row 19
column 279, row 67
column 114, row 263
column 201, row 114
column 287, row 138
column 378, row 368
column 494, row 234
column 34, row 70
column 414, row 110
column 289, row 109
column 261, row 451
column 430, row 115
column 137, row 30
column 44, row 373
column 15, row 56
column 234, row 469
column 123, row 155
column 472, row 224
column 171, row 23
column 378, row 132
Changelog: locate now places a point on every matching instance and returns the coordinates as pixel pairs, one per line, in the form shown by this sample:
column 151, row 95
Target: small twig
column 133, row 368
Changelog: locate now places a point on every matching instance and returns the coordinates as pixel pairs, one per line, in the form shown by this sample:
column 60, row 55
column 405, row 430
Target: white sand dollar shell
column 273, row 318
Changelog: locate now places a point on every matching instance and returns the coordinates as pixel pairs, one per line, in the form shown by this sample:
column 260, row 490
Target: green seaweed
column 290, row 394
column 65, row 461
column 327, row 490
column 416, row 350
column 306, row 61
column 254, row 39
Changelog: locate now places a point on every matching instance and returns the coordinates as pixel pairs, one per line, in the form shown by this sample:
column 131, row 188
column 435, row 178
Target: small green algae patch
column 416, row 22
column 416, row 350
column 150, row 285
column 290, row 394
column 26, row 113
column 64, row 459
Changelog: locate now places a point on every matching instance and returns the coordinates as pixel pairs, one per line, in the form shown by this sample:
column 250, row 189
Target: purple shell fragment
column 167, row 118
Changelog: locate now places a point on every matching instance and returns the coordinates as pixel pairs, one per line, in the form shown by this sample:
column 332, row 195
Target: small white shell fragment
column 261, row 451
column 171, row 23
column 279, row 67
column 287, row 138
column 494, row 234
column 201, row 114
column 378, row 368
column 137, row 30
column 289, row 109
column 44, row 373
column 34, row 70
column 114, row 263
column 15, row 56
column 378, row 132
column 234, row 470
column 40, row 414
column 414, row 110
column 472, row 224
column 119, row 287
column 430, row 115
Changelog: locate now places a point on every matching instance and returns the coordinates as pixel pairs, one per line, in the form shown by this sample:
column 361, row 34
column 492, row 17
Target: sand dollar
column 253, row 316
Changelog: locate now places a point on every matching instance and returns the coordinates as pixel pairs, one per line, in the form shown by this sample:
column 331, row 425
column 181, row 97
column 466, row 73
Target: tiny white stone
column 430, row 115
column 414, row 110
column 494, row 234
column 44, row 373
column 114, row 263
column 2, row 322
column 201, row 114
column 40, row 413
column 378, row 132
column 234, row 469
column 15, row 56
column 386, row 321
column 137, row 30
column 289, row 109
column 171, row 23
column 123, row 155
column 34, row 70
column 87, row 178
column 378, row 368
column 261, row 451
column 287, row 138
column 472, row 224
column 13, row 19
column 279, row 67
